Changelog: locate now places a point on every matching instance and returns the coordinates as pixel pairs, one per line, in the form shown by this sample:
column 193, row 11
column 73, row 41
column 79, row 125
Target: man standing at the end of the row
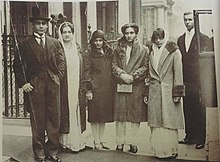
column 43, row 64
column 194, row 110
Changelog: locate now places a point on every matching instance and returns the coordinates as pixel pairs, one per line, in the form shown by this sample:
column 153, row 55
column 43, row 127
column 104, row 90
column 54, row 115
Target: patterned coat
column 163, row 82
column 130, row 106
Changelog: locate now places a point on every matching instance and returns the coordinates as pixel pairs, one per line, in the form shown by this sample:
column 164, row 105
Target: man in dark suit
column 38, row 68
column 194, row 109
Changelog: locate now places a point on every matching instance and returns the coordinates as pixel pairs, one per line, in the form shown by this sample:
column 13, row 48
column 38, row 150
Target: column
column 123, row 13
column 216, row 28
column 77, row 21
column 7, row 16
column 160, row 18
column 91, row 15
column 54, row 8
column 137, row 17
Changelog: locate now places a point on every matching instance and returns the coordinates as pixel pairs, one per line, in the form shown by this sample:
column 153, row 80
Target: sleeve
column 19, row 66
column 60, row 59
column 87, row 70
column 178, row 87
column 117, row 71
column 142, row 72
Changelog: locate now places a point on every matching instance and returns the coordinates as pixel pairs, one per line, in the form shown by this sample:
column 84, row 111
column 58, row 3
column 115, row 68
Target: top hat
column 36, row 15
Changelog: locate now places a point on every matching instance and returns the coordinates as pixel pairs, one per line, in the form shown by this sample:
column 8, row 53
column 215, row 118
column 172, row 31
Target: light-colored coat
column 130, row 106
column 162, row 111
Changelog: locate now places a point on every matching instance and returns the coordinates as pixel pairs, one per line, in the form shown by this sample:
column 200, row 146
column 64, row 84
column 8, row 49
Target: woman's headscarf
column 158, row 51
column 92, row 47
column 71, row 26
column 97, row 34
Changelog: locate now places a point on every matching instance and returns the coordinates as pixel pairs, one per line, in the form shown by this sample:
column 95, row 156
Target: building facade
column 155, row 13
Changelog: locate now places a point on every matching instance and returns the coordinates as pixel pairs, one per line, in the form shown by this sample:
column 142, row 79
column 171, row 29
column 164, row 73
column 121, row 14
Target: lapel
column 134, row 57
column 165, row 62
column 183, row 42
column 36, row 48
column 162, row 59
column 192, row 43
column 49, row 45
column 152, row 64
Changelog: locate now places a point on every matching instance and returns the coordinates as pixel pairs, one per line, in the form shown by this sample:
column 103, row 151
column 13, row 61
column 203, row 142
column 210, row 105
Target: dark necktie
column 41, row 42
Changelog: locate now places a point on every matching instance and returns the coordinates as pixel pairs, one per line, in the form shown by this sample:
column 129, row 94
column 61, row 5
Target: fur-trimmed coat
column 130, row 106
column 98, row 78
column 165, row 82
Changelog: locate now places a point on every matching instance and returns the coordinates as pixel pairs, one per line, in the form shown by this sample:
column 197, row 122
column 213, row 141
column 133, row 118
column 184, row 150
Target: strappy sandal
column 133, row 149
column 97, row 146
column 120, row 147
column 104, row 145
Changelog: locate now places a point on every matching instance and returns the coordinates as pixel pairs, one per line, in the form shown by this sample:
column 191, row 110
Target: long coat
column 194, row 109
column 130, row 106
column 162, row 111
column 32, row 67
column 44, row 68
column 29, row 54
column 99, row 80
column 64, row 126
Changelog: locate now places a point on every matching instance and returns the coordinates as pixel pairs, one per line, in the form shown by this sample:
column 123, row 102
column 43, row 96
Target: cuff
column 88, row 86
column 145, row 91
column 178, row 91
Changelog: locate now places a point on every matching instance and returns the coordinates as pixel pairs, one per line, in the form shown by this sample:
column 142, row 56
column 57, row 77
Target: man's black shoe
column 54, row 158
column 200, row 146
column 40, row 159
column 133, row 149
column 186, row 141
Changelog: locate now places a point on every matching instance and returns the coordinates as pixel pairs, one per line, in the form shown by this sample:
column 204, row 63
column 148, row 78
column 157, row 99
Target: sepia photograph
column 110, row 81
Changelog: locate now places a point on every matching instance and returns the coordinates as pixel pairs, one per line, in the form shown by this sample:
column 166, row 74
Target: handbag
column 124, row 88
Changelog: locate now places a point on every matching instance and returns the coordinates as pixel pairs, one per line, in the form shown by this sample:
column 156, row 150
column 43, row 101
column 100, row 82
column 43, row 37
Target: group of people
column 127, row 84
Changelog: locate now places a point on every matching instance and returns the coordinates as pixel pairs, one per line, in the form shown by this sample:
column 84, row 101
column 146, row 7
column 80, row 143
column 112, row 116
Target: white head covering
column 158, row 51
column 74, row 46
column 73, row 72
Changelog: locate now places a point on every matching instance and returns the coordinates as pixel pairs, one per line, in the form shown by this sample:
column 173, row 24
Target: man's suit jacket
column 190, row 60
column 31, row 51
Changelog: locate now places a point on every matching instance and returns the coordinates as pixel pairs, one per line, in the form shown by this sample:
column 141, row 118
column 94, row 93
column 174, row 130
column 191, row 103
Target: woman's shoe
column 65, row 149
column 97, row 146
column 120, row 147
column 104, row 145
column 133, row 149
column 174, row 155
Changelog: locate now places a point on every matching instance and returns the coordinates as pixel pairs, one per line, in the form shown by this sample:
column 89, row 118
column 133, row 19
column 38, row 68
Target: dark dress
column 98, row 79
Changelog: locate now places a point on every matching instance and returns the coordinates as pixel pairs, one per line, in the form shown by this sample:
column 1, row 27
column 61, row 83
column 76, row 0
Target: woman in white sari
column 72, row 110
column 165, row 91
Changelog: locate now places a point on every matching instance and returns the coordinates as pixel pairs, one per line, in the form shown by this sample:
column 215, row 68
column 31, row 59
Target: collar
column 192, row 31
column 38, row 36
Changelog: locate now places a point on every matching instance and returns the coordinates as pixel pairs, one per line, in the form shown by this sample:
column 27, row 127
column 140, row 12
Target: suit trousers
column 127, row 132
column 45, row 115
column 195, row 118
